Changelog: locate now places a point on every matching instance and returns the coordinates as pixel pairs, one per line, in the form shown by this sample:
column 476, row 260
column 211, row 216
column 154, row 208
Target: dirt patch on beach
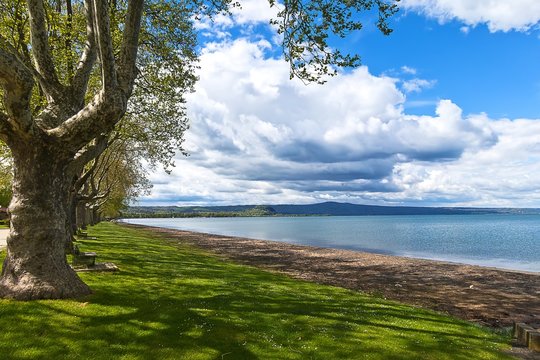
column 483, row 295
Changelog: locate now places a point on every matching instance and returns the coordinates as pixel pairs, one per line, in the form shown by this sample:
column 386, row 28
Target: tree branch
column 130, row 42
column 87, row 174
column 96, row 118
column 86, row 155
column 17, row 81
column 103, row 40
column 106, row 165
column 98, row 205
column 88, row 58
column 110, row 104
column 94, row 196
column 41, row 51
column 68, row 41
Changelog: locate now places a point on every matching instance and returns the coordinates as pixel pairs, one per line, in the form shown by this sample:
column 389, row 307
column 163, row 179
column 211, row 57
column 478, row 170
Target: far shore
column 488, row 296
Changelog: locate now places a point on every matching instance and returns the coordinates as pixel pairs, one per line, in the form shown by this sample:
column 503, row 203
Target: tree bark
column 36, row 266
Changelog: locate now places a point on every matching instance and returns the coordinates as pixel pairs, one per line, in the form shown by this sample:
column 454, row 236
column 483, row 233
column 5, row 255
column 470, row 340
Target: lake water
column 503, row 241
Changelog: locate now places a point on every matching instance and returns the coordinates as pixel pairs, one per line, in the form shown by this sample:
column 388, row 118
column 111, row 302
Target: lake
column 503, row 241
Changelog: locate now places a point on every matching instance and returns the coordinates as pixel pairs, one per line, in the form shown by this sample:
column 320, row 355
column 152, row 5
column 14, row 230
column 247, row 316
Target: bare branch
column 41, row 51
column 99, row 204
column 89, row 153
column 80, row 80
column 128, row 53
column 86, row 175
column 96, row 150
column 103, row 38
column 94, row 196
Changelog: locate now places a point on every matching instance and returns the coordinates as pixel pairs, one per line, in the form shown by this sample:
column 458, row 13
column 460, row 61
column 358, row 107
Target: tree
column 64, row 93
column 112, row 180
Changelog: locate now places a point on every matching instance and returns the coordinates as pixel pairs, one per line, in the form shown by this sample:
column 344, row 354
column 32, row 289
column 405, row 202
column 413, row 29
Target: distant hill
column 344, row 209
column 325, row 208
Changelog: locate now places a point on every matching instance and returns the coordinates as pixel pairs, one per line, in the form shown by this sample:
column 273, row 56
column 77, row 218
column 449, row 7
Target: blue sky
column 483, row 71
column 443, row 112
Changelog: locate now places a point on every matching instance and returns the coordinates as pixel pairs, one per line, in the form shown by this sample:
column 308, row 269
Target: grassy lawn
column 177, row 302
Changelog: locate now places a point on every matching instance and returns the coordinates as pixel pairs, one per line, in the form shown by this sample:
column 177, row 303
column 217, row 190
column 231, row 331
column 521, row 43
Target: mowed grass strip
column 171, row 301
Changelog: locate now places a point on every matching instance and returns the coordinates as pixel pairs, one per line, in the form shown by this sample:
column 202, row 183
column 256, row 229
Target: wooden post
column 534, row 341
column 521, row 332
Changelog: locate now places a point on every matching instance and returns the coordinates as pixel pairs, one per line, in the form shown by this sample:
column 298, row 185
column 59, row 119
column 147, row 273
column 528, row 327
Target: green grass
column 176, row 302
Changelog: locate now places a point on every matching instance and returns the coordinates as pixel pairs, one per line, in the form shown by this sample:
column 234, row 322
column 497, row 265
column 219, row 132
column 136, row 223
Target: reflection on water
column 504, row 241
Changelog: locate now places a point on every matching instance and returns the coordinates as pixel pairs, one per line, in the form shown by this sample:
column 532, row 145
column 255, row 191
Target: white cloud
column 465, row 29
column 505, row 174
column 408, row 70
column 417, row 85
column 257, row 137
column 499, row 15
column 251, row 13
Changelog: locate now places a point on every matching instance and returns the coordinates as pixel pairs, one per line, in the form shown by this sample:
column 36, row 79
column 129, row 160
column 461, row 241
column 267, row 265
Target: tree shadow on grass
column 180, row 303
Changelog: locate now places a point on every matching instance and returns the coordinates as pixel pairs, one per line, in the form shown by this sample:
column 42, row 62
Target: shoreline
column 484, row 295
column 435, row 246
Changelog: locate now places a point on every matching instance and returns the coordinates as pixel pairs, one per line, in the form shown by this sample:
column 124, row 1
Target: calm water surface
column 504, row 241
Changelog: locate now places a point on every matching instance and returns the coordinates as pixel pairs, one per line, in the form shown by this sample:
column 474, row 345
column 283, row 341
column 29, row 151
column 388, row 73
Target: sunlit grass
column 175, row 302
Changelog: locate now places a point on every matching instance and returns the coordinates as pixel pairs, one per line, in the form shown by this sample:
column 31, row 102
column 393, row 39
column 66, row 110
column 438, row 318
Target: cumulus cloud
column 498, row 15
column 505, row 174
column 257, row 137
column 249, row 103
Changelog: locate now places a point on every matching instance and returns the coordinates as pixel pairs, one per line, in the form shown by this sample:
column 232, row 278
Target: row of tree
column 90, row 88
column 106, row 186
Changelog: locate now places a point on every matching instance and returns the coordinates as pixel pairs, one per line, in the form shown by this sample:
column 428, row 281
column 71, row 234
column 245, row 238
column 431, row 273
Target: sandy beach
column 487, row 296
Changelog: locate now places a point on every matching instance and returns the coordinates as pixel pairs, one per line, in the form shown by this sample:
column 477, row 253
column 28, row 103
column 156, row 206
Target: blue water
column 503, row 241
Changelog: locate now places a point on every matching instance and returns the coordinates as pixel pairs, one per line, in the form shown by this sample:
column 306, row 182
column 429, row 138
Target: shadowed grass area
column 171, row 301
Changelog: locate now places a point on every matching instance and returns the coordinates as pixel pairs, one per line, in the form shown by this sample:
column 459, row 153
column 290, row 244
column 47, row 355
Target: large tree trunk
column 36, row 266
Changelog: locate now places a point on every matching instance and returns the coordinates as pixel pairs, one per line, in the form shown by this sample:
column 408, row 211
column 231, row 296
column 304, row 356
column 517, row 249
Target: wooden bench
column 83, row 258
column 84, row 235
